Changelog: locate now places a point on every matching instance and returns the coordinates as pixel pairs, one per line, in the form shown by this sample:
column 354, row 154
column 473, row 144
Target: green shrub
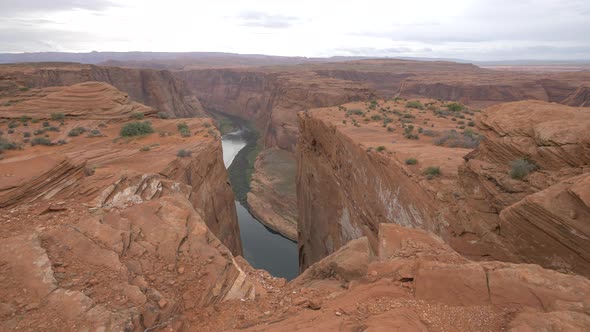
column 376, row 117
column 163, row 115
column 35, row 120
column 182, row 153
column 521, row 167
column 136, row 129
column 7, row 145
column 41, row 141
column 380, row 148
column 415, row 104
column 13, row 124
column 408, row 116
column 52, row 128
column 455, row 107
column 432, row 171
column 184, row 129
column 24, row 118
column 411, row 161
column 77, row 131
column 94, row 133
column 57, row 116
column 137, row 115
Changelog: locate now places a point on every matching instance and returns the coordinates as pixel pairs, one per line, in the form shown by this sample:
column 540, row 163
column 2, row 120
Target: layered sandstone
column 155, row 88
column 412, row 281
column 102, row 232
column 353, row 173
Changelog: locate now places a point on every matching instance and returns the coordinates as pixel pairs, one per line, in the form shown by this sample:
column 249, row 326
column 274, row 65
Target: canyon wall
column 346, row 186
column 271, row 101
column 272, row 96
column 156, row 88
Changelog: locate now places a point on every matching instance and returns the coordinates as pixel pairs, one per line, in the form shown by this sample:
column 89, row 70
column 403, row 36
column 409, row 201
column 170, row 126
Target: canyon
column 398, row 179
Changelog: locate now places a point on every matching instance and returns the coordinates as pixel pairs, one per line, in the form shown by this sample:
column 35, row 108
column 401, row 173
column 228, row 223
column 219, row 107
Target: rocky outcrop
column 543, row 217
column 158, row 89
column 413, row 281
column 104, row 232
column 353, row 177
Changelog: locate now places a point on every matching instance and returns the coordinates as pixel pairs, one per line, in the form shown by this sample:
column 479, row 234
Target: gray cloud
column 500, row 20
column 10, row 7
column 264, row 20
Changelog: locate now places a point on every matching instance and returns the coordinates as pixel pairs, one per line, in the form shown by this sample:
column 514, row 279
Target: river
column 262, row 248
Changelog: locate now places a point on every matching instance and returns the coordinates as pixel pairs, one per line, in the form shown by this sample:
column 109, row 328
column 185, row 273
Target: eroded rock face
column 112, row 233
column 414, row 281
column 346, row 187
column 155, row 88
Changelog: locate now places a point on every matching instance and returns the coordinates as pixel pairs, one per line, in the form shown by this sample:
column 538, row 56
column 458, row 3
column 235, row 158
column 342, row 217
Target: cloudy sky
column 475, row 30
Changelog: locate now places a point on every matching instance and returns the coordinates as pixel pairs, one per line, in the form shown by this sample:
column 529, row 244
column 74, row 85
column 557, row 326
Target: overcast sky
column 475, row 30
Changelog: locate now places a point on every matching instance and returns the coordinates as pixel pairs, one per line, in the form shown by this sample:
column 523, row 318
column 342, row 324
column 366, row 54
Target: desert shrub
column 387, row 120
column 13, row 124
column 137, row 115
column 380, row 148
column 57, row 116
column 432, row 171
column 7, row 145
column 94, row 133
column 52, row 128
column 46, row 124
column 41, row 141
column 182, row 153
column 356, row 112
column 460, row 122
column 411, row 161
column 102, row 125
column 1, row 133
column 471, row 124
column 23, row 118
column 136, row 129
column 77, row 131
column 390, row 129
column 408, row 116
column 35, row 120
column 145, row 148
column 376, row 117
column 455, row 107
column 11, row 131
column 184, row 129
column 163, row 115
column 412, row 136
column 344, row 121
column 26, row 134
column 428, row 132
column 420, row 130
column 207, row 124
column 469, row 139
column 415, row 104
column 521, row 167
column 61, row 142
